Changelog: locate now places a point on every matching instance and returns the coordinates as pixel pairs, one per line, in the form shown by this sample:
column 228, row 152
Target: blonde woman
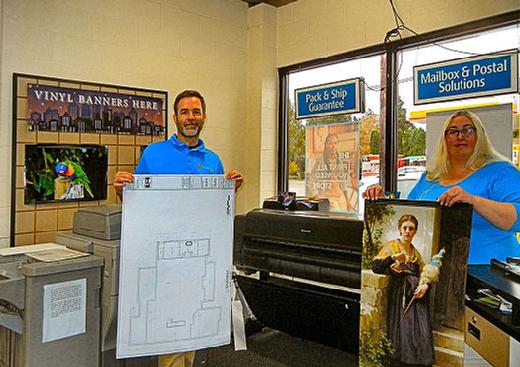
column 466, row 168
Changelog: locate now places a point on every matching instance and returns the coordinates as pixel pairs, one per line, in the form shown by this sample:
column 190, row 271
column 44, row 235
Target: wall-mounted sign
column 62, row 109
column 337, row 98
column 485, row 75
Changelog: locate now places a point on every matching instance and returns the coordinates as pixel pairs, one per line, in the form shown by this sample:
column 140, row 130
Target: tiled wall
column 37, row 223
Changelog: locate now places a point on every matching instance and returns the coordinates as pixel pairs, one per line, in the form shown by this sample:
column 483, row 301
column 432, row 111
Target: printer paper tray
column 322, row 265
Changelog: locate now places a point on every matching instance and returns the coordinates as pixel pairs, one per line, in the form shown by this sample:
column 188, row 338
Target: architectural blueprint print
column 176, row 261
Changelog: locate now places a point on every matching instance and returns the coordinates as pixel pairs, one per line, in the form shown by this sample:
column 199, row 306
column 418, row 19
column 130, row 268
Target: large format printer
column 308, row 268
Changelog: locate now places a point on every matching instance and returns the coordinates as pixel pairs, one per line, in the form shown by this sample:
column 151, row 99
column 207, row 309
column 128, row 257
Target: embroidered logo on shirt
column 205, row 169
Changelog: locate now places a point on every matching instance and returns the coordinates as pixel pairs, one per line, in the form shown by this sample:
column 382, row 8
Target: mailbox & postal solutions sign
column 480, row 76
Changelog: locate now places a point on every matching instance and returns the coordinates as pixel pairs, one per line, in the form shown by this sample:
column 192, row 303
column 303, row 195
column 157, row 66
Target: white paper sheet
column 64, row 309
column 56, row 255
column 17, row 250
column 176, row 261
column 239, row 332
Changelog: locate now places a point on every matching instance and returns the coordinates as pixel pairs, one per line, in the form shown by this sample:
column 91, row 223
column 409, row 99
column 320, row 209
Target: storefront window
column 413, row 120
column 310, row 141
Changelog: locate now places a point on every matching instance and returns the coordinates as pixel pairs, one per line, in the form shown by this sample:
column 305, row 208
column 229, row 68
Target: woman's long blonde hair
column 483, row 153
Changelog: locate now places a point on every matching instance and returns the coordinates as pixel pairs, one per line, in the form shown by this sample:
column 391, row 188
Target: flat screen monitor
column 57, row 173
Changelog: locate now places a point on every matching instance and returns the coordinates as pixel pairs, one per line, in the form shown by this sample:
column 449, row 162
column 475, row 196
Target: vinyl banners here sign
column 466, row 78
column 337, row 98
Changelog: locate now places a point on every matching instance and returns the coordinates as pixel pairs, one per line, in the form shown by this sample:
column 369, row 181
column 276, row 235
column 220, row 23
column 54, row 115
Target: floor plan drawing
column 176, row 264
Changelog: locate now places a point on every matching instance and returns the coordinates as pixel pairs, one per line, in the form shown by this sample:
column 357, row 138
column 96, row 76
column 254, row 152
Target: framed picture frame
column 413, row 277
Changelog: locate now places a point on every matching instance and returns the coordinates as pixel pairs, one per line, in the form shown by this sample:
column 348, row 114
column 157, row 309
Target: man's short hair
column 186, row 94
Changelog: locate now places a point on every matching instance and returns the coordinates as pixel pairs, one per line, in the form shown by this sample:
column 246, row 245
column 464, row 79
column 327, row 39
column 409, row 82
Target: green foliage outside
column 369, row 128
column 375, row 347
column 327, row 120
column 375, row 215
column 293, row 169
column 375, row 138
column 411, row 140
column 296, row 148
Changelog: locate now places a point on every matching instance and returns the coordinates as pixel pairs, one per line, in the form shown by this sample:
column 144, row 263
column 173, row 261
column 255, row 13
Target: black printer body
column 310, row 270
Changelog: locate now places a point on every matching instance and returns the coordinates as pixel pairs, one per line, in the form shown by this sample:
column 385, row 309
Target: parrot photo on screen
column 75, row 173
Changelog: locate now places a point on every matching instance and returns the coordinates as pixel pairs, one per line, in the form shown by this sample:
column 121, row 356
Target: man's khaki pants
column 184, row 359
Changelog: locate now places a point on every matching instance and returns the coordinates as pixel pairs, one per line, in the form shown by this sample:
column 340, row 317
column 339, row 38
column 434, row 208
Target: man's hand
column 237, row 176
column 121, row 179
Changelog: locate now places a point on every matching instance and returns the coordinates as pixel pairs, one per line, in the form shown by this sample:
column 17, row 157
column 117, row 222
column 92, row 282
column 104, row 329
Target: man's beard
column 191, row 133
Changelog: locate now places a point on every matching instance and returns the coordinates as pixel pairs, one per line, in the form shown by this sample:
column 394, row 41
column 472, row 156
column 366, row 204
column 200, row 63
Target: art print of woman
column 408, row 317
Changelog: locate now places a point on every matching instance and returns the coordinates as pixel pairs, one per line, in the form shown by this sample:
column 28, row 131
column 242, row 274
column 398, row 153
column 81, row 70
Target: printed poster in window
column 332, row 165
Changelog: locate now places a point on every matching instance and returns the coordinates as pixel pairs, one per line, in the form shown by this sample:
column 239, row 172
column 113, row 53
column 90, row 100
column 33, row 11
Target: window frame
column 389, row 51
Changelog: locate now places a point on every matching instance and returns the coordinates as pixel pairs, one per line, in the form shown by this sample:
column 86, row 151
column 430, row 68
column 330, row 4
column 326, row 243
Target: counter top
column 499, row 282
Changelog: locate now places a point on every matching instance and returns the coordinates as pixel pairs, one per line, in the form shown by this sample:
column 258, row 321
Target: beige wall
column 157, row 44
column 220, row 47
column 261, row 113
column 310, row 29
column 5, row 176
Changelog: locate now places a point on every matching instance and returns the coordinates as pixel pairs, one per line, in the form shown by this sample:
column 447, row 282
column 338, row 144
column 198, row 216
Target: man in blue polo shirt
column 183, row 153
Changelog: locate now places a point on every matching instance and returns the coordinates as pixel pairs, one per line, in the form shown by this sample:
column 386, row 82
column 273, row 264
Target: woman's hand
column 420, row 291
column 374, row 192
column 454, row 195
column 500, row 214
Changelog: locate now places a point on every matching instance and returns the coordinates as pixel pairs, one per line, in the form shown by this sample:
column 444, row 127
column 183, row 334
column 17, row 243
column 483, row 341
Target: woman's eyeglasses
column 466, row 132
